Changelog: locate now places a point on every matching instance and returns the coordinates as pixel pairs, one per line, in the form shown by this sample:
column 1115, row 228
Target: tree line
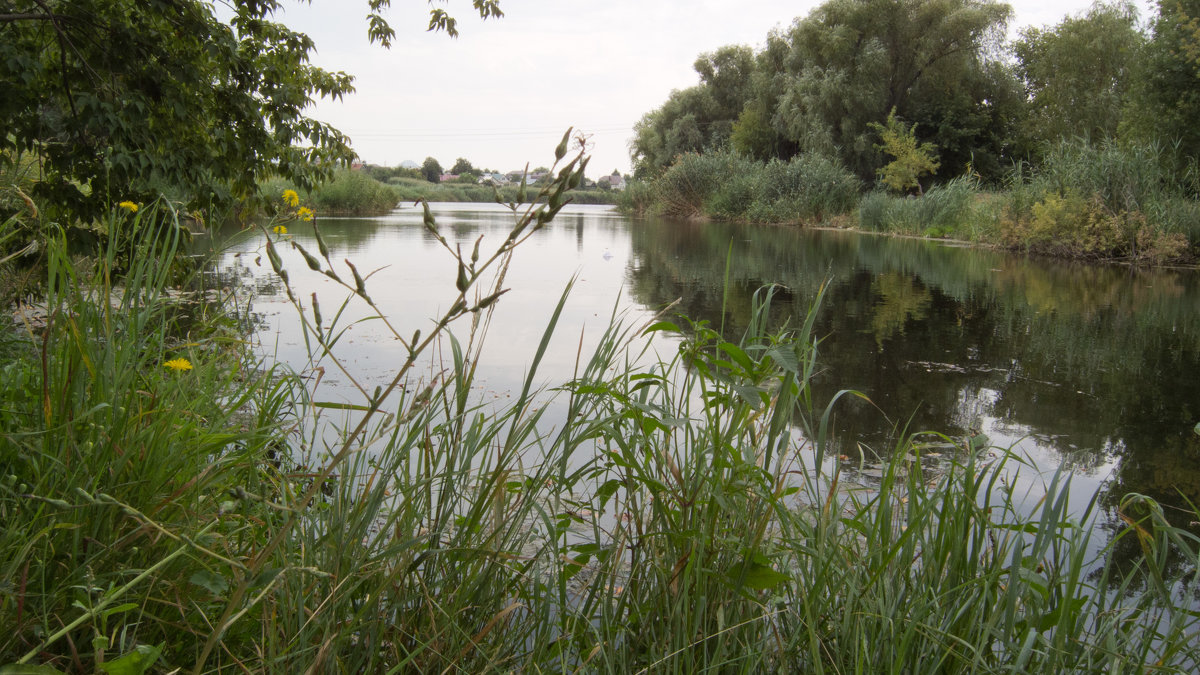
column 941, row 75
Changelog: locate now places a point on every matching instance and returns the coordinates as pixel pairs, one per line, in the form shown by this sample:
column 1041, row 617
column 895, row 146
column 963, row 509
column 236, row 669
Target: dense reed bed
column 1096, row 201
column 170, row 503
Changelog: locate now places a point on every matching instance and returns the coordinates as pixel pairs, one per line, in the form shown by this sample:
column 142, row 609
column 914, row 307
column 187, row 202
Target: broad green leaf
column 661, row 326
column 210, row 581
column 762, row 577
column 607, row 490
column 119, row 609
column 136, row 662
column 737, row 355
column 785, row 358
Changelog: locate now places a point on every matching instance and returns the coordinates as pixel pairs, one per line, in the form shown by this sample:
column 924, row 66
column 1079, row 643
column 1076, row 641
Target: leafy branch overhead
column 139, row 98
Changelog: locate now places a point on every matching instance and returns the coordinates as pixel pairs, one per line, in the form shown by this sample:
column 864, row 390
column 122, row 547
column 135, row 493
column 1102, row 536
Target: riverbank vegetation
column 346, row 193
column 171, row 502
column 174, row 502
column 356, row 193
column 413, row 189
column 1074, row 140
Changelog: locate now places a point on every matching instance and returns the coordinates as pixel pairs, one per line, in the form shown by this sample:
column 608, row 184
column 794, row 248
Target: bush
column 1071, row 225
column 807, row 188
column 353, row 193
column 348, row 193
column 1105, row 201
column 685, row 188
column 639, row 197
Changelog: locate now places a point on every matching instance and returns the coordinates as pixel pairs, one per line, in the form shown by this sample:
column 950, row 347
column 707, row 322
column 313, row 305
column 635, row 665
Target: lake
column 1090, row 367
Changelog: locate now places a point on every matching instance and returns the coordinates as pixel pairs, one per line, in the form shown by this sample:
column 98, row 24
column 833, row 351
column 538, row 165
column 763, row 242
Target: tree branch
column 29, row 16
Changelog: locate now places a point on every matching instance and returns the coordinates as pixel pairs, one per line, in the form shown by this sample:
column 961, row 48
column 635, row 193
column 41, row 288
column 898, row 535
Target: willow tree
column 1078, row 74
column 123, row 99
column 934, row 61
column 696, row 118
column 1168, row 92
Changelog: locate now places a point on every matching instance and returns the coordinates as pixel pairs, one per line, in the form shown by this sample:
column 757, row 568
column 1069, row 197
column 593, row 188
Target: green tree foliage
column 696, row 118
column 1168, row 92
column 1077, row 75
column 818, row 87
column 431, row 170
column 677, row 128
column 912, row 159
column 851, row 61
column 462, row 165
column 121, row 99
column 754, row 133
column 726, row 74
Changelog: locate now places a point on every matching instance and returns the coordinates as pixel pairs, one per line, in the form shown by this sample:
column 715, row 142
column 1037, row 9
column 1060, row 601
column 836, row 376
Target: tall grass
column 958, row 208
column 684, row 515
column 808, row 188
column 114, row 466
column 1105, row 201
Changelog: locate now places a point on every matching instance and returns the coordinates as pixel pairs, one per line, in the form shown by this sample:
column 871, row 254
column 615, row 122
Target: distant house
column 616, row 181
column 493, row 179
column 447, row 177
column 530, row 178
column 357, row 165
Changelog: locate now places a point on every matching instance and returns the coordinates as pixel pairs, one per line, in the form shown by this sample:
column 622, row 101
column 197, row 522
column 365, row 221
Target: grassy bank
column 159, row 517
column 413, row 189
column 354, row 193
column 1099, row 202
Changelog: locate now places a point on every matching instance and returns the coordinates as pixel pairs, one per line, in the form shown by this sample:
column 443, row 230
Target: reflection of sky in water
column 954, row 340
column 411, row 278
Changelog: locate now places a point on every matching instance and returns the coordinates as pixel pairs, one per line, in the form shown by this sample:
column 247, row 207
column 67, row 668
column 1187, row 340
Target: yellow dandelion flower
column 178, row 364
column 279, row 229
column 129, row 206
column 305, row 213
column 291, row 198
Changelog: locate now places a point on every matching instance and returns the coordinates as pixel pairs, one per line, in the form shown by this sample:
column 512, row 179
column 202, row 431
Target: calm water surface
column 1091, row 367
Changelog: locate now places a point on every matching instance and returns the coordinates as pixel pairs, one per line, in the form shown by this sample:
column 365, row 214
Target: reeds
column 806, row 189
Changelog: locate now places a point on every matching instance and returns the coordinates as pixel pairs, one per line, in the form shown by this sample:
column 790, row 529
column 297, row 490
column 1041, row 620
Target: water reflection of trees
column 1098, row 362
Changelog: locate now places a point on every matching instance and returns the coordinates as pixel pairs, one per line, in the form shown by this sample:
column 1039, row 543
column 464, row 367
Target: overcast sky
column 503, row 93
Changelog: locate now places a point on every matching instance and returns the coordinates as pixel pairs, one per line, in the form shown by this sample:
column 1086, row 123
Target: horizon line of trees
column 431, row 170
column 943, row 72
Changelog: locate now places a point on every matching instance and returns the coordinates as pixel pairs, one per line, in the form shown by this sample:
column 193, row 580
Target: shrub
column 353, row 193
column 725, row 185
column 638, row 197
column 685, row 188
